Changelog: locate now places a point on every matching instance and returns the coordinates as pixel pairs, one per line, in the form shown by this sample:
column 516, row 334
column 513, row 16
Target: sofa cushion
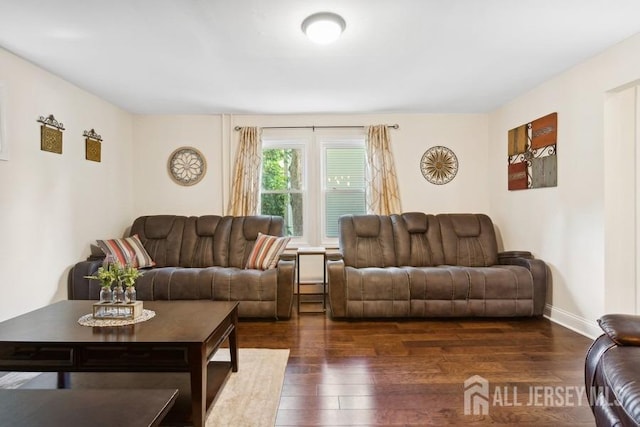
column 468, row 240
column 471, row 291
column 377, row 292
column 206, row 241
column 244, row 232
column 255, row 289
column 127, row 251
column 367, row 226
column 367, row 241
column 266, row 251
column 162, row 237
column 417, row 239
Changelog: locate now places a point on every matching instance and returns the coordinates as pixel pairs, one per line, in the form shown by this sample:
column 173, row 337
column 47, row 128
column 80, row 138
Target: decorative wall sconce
column 93, row 145
column 51, row 134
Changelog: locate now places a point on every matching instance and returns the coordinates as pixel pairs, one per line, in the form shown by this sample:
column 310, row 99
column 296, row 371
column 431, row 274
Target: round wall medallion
column 439, row 165
column 187, row 166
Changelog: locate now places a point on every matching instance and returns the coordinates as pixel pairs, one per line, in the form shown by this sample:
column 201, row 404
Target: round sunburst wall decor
column 439, row 165
column 187, row 166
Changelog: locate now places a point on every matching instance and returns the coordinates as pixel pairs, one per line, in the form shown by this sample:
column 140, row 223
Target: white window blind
column 344, row 185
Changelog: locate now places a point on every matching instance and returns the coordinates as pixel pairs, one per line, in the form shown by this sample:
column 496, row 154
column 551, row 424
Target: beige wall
column 565, row 225
column 157, row 136
column 52, row 206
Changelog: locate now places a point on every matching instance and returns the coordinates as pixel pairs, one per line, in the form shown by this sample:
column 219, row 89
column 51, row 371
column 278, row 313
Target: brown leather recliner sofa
column 420, row 265
column 612, row 378
column 204, row 258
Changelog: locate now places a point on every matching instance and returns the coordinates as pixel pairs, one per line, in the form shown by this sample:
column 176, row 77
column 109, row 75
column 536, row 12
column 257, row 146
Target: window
column 311, row 181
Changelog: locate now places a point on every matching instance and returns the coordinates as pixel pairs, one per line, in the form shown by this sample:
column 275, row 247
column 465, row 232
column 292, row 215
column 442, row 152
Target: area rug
column 249, row 398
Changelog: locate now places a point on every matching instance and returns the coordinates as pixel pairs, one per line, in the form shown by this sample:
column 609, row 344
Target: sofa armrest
column 513, row 254
column 623, row 329
column 288, row 256
column 337, row 285
column 335, row 256
column 79, row 287
column 286, row 275
column 539, row 272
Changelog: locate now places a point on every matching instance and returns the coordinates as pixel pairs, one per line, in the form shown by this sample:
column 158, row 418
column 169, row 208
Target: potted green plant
column 127, row 276
column 130, row 275
column 106, row 276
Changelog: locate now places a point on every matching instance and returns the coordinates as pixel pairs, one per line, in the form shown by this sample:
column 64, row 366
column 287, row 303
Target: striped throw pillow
column 127, row 251
column 266, row 251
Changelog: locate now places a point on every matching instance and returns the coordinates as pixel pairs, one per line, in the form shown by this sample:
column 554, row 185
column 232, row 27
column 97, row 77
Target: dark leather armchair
column 612, row 371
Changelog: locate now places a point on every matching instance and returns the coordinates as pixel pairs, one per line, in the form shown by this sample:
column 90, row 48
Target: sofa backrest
column 161, row 236
column 244, row 232
column 417, row 239
column 204, row 241
column 468, row 240
column 367, row 241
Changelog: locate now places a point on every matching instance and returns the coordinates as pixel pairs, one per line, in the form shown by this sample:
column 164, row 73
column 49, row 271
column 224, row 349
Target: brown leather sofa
column 612, row 377
column 204, row 258
column 420, row 265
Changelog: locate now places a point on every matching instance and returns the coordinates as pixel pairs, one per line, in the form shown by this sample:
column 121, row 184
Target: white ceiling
column 250, row 56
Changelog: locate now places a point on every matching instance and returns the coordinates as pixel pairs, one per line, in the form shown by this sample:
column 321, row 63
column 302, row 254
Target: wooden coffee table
column 95, row 408
column 182, row 337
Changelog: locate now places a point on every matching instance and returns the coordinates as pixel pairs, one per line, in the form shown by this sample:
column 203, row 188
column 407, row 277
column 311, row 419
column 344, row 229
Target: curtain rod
column 313, row 128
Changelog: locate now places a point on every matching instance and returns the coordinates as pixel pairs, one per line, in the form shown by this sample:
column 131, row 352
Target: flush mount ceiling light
column 323, row 27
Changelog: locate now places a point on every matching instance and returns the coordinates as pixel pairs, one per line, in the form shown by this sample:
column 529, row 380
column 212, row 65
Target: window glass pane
column 282, row 181
column 339, row 203
column 281, row 169
column 286, row 205
column 345, row 185
column 345, row 168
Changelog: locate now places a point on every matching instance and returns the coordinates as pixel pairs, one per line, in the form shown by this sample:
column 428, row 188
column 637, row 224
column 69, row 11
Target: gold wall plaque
column 93, row 149
column 50, row 139
column 439, row 165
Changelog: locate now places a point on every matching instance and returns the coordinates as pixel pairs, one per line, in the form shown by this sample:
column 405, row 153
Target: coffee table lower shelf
column 179, row 414
column 91, row 408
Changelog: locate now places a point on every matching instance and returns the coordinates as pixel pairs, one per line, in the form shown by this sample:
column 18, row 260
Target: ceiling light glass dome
column 323, row 27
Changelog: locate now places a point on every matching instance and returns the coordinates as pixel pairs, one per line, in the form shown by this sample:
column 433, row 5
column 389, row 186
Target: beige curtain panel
column 245, row 189
column 383, row 197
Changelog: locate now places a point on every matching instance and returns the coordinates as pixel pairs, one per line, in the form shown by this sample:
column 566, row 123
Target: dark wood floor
column 412, row 373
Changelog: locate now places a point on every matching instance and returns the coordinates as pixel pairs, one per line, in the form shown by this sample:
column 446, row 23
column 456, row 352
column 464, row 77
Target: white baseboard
column 569, row 320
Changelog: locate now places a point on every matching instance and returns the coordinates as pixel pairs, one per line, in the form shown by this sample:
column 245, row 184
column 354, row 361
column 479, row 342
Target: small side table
column 320, row 253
